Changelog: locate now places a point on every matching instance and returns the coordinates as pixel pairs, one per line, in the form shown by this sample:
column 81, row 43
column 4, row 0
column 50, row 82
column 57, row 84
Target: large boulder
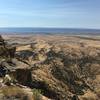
column 18, row 70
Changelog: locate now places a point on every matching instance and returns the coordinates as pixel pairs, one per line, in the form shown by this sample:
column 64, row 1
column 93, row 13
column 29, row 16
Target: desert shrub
column 37, row 94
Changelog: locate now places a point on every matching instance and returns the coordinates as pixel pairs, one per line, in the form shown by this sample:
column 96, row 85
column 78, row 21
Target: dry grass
column 89, row 96
column 21, row 93
column 12, row 91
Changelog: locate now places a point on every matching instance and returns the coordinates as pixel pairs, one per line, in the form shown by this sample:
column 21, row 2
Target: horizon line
column 55, row 27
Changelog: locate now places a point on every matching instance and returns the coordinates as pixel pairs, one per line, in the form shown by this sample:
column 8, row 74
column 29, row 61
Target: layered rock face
column 60, row 71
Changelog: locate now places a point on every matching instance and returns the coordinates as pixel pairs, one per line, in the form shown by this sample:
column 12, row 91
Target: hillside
column 49, row 67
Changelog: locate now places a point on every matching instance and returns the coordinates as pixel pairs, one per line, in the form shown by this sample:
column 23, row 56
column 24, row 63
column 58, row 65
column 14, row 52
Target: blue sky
column 50, row 13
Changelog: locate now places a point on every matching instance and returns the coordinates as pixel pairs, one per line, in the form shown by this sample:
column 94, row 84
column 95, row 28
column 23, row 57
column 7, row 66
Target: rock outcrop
column 5, row 49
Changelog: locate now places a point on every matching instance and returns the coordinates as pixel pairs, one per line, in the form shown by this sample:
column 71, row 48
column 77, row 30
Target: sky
column 50, row 13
